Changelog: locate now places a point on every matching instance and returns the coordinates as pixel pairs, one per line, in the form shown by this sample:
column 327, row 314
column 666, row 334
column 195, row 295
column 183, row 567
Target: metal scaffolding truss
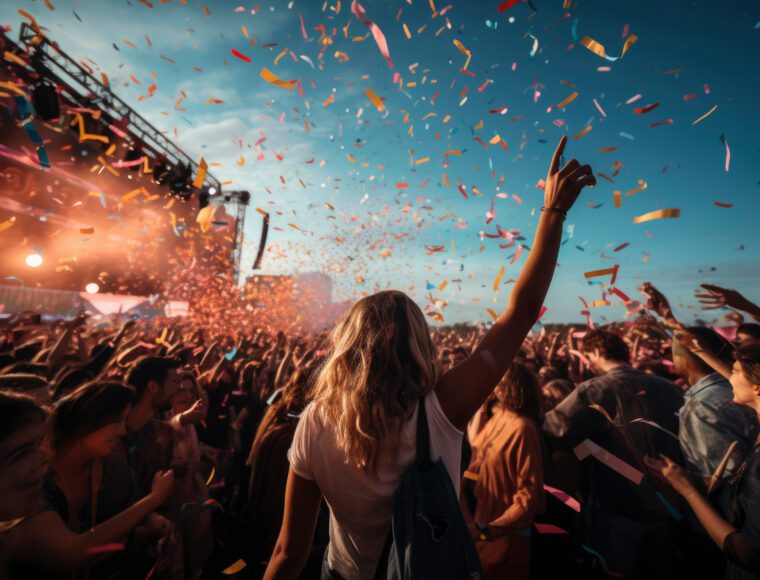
column 79, row 86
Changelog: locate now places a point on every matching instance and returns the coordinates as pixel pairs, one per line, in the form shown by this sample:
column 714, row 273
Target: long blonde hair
column 382, row 361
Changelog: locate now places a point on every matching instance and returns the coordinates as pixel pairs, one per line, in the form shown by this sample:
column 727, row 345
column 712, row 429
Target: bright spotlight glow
column 33, row 260
column 92, row 288
column 212, row 190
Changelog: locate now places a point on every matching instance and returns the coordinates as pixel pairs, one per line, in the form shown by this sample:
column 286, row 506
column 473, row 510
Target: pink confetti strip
column 358, row 11
column 565, row 498
column 728, row 150
column 588, row 447
column 598, row 106
column 303, row 28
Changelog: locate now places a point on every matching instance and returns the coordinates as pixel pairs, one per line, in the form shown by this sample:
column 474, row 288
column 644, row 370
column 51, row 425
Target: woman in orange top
column 507, row 493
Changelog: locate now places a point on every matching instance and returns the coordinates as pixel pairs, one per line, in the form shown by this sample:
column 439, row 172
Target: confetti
column 7, row 224
column 605, row 272
column 642, row 186
column 201, row 176
column 358, row 11
column 565, row 498
column 234, row 568
column 718, row 203
column 273, row 79
column 644, row 110
column 707, row 114
column 599, row 49
column 582, row 133
column 658, row 214
column 504, row 6
column 549, row 529
column 588, row 447
column 240, row 55
column 372, row 96
column 497, row 280
column 567, row 101
column 728, row 151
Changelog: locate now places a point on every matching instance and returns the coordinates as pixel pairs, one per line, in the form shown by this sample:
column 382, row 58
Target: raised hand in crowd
column 713, row 296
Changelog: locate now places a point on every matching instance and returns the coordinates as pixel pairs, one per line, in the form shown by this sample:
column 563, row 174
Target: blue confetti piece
column 668, row 506
column 26, row 112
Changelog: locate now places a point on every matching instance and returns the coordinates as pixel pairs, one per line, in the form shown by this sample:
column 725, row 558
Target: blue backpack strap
column 423, row 435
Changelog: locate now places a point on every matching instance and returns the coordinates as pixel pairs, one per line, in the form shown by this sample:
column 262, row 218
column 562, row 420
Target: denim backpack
column 429, row 537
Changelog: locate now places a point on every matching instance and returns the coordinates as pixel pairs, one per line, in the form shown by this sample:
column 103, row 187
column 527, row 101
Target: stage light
column 212, row 190
column 92, row 288
column 45, row 101
column 33, row 260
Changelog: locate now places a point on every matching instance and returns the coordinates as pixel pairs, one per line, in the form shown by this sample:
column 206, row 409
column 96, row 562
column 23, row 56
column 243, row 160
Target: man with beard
column 149, row 440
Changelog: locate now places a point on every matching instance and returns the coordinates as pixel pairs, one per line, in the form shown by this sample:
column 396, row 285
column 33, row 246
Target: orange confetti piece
column 201, row 176
column 605, row 272
column 273, row 79
column 372, row 96
column 616, row 197
column 13, row 58
column 279, row 56
column 567, row 101
column 658, row 214
column 464, row 51
column 234, row 568
column 205, row 11
column 295, row 227
column 421, row 161
column 585, row 130
column 7, row 224
column 406, row 32
column 497, row 280
column 456, row 152
column 642, row 186
column 718, row 203
column 492, row 313
column 443, row 285
column 87, row 231
column 599, row 50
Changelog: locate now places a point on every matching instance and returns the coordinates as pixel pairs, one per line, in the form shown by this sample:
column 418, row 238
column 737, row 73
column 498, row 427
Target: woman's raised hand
column 563, row 186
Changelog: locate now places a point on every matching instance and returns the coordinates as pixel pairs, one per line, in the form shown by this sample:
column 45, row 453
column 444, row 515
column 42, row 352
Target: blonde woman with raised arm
column 356, row 438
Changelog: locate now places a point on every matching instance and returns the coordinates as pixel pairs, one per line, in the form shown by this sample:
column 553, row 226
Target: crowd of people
column 165, row 448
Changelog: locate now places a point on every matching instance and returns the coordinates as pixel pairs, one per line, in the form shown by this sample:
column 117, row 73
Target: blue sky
column 364, row 236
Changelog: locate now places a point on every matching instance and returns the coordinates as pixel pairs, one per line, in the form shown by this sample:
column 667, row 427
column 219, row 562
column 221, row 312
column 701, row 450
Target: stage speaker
column 45, row 101
column 262, row 243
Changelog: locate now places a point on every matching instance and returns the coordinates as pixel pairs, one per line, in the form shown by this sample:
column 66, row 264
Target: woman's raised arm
column 463, row 389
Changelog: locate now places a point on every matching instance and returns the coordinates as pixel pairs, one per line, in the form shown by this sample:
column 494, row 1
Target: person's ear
column 153, row 387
